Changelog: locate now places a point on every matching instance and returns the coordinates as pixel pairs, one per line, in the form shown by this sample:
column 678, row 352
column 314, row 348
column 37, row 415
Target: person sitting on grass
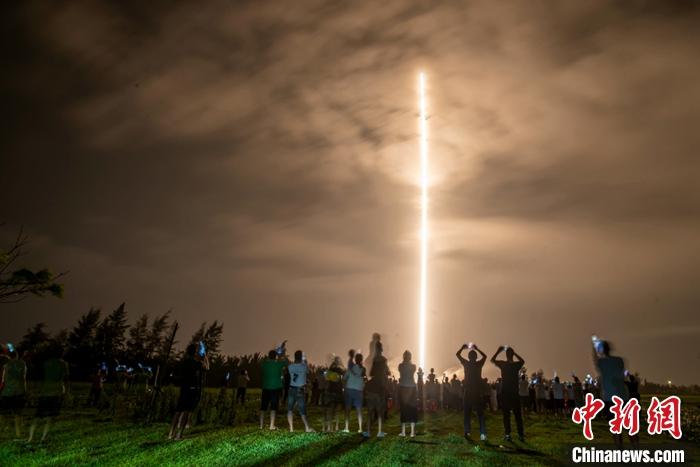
column 407, row 394
column 272, row 384
column 377, row 388
column 191, row 379
column 472, row 388
column 333, row 395
column 13, row 389
column 510, row 399
column 53, row 390
column 354, row 385
column 298, row 372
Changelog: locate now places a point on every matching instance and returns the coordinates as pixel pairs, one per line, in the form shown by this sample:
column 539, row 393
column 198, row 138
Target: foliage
column 18, row 284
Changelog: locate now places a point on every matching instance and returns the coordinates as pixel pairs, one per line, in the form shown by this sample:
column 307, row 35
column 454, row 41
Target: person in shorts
column 333, row 395
column 14, row 389
column 191, row 379
column 296, row 397
column 52, row 391
column 354, row 385
column 272, row 384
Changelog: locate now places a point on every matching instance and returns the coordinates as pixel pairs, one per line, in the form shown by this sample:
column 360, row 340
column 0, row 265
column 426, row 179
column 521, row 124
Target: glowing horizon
column 424, row 232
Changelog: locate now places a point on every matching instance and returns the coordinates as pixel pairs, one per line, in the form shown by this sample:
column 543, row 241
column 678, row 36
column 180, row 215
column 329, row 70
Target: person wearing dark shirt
column 52, row 392
column 632, row 387
column 13, row 389
column 333, row 395
column 510, row 398
column 242, row 381
column 472, row 389
column 191, row 379
column 376, row 389
column 407, row 394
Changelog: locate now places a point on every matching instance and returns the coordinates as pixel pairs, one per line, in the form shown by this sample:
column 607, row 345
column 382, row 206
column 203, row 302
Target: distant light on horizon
column 424, row 229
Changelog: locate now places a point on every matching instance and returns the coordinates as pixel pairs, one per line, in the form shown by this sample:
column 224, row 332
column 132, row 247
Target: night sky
column 257, row 163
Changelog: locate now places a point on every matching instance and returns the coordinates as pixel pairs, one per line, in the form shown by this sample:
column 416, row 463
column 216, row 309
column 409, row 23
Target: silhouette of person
column 510, row 397
column 472, row 389
column 191, row 378
column 612, row 380
column 377, row 388
column 407, row 394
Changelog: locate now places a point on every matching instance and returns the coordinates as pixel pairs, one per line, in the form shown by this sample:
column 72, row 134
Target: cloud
column 260, row 157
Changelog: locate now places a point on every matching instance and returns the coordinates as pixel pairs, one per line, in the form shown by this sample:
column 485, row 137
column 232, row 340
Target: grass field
column 82, row 438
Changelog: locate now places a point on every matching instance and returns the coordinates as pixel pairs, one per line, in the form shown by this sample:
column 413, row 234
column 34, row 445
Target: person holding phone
column 612, row 379
column 191, row 380
column 510, row 394
column 472, row 388
column 407, row 395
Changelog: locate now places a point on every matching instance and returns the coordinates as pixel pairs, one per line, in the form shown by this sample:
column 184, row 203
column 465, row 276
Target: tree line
column 110, row 339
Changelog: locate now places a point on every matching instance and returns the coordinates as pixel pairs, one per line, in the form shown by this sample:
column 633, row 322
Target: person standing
column 377, row 388
column 633, row 387
column 13, row 385
column 510, row 391
column 272, row 384
column 557, row 396
column 376, row 339
column 612, row 379
column 472, row 388
column 333, row 395
column 524, row 393
column 98, row 380
column 53, row 390
column 296, row 397
column 242, row 385
column 407, row 394
column 191, row 379
column 354, row 385
column 578, row 392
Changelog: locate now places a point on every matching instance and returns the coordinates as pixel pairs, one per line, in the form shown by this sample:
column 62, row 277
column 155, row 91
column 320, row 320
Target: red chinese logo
column 665, row 416
column 661, row 416
column 587, row 413
column 624, row 416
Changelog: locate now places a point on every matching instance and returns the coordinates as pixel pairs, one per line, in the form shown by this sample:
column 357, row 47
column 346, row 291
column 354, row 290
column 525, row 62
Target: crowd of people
column 362, row 384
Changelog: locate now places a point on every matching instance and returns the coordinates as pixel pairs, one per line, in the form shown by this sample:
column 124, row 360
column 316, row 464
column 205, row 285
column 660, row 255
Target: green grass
column 81, row 438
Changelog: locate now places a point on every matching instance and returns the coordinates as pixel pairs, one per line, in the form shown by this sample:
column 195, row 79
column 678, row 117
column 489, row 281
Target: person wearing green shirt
column 272, row 383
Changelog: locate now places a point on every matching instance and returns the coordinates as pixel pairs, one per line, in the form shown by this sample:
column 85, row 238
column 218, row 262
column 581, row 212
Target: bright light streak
column 424, row 229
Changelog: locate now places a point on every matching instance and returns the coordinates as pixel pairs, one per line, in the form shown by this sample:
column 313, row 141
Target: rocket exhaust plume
column 424, row 229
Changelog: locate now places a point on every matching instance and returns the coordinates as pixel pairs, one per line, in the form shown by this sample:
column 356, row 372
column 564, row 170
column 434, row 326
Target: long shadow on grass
column 340, row 446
